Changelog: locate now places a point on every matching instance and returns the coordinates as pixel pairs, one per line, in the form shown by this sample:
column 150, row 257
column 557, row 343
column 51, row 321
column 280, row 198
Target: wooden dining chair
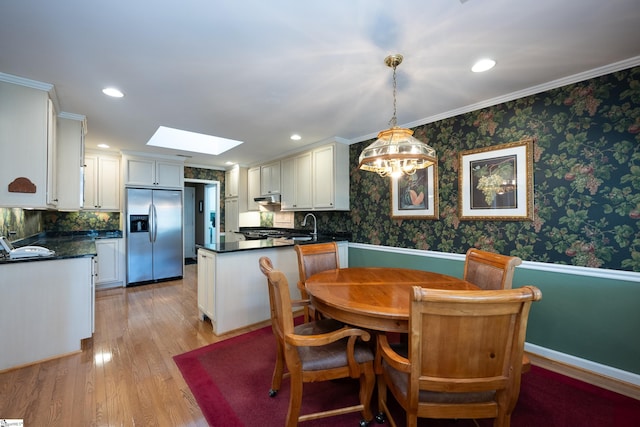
column 312, row 259
column 464, row 354
column 317, row 351
column 489, row 270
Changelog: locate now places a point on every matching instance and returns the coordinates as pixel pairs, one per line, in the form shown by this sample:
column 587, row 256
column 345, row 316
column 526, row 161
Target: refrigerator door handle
column 151, row 223
column 155, row 223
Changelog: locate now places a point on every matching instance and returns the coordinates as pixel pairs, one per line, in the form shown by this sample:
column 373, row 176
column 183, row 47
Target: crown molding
column 554, row 84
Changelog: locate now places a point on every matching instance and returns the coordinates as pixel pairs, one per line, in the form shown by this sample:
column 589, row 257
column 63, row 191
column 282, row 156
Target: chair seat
column 332, row 355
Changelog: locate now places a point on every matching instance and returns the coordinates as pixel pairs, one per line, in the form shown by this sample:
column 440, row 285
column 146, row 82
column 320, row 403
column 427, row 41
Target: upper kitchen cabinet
column 270, row 179
column 101, row 182
column 28, row 140
column 296, row 183
column 153, row 172
column 317, row 179
column 70, row 154
column 331, row 177
column 253, row 188
column 235, row 201
column 235, row 182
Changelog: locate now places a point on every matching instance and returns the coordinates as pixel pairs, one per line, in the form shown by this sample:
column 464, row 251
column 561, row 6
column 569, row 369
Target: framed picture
column 496, row 183
column 415, row 196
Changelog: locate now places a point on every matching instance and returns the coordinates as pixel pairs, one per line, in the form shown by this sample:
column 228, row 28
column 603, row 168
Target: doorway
column 202, row 204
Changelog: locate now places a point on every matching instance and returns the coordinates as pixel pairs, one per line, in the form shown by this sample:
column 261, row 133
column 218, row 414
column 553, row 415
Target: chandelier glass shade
column 396, row 151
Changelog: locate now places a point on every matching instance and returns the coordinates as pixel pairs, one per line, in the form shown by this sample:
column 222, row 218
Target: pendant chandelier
column 396, row 151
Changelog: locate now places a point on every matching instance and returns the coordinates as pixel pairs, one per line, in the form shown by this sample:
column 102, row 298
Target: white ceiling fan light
column 483, row 65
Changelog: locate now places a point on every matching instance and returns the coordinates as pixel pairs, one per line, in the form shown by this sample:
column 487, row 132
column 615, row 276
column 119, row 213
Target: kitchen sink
column 301, row 238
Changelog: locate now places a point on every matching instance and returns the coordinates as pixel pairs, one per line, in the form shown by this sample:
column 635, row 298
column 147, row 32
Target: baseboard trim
column 598, row 378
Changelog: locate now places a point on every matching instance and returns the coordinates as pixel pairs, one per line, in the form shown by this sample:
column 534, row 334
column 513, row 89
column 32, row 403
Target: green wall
column 592, row 318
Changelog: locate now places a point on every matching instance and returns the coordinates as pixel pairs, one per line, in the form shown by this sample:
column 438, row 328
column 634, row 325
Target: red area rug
column 231, row 379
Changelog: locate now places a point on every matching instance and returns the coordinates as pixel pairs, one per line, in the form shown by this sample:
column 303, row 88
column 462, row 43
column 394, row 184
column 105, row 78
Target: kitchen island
column 232, row 291
column 48, row 302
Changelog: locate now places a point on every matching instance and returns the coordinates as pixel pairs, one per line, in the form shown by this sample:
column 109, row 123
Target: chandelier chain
column 394, row 120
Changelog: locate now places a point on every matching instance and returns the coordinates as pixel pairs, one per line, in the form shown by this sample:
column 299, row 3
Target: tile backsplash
column 79, row 221
column 16, row 223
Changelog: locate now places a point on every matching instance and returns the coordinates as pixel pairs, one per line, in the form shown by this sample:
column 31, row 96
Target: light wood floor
column 125, row 375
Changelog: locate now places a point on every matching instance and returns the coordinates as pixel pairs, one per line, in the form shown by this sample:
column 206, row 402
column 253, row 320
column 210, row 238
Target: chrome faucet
column 315, row 225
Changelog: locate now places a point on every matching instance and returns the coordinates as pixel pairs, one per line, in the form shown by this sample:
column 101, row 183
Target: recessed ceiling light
column 296, row 137
column 112, row 92
column 103, row 146
column 183, row 140
column 483, row 65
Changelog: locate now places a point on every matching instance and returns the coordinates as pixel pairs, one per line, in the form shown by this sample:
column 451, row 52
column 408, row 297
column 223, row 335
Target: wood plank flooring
column 125, row 375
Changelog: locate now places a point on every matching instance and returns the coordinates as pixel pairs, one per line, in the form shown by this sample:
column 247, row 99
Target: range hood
column 273, row 199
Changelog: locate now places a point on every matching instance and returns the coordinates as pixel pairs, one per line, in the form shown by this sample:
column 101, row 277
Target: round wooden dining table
column 375, row 298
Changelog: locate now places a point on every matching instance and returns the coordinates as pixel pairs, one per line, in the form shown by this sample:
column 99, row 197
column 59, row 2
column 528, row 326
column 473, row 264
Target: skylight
column 177, row 139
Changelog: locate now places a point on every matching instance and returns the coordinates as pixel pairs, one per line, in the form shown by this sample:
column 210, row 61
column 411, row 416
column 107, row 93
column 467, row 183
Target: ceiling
column 259, row 71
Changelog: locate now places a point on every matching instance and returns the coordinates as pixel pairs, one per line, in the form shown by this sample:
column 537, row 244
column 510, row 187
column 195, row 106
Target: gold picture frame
column 415, row 196
column 496, row 183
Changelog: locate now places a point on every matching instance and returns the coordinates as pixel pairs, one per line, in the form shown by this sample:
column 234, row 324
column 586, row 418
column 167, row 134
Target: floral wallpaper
column 211, row 175
column 586, row 179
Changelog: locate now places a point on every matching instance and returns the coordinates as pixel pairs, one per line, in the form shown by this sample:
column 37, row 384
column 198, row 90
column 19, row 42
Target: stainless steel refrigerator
column 154, row 235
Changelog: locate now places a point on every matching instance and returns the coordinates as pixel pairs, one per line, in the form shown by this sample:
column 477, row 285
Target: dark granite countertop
column 74, row 244
column 246, row 245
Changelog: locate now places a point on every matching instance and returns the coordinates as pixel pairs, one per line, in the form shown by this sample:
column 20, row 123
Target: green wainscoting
column 592, row 318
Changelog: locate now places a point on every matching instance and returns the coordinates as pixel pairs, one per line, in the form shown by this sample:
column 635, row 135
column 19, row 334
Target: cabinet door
column 231, row 218
column 140, row 172
column 90, row 182
column 23, row 134
column 108, row 183
column 253, row 188
column 323, row 178
column 231, row 182
column 270, row 179
column 296, row 183
column 52, row 160
column 108, row 265
column 70, row 153
column 169, row 174
column 206, row 281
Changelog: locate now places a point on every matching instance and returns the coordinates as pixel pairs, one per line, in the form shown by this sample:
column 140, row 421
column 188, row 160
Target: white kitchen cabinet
column 52, row 152
column 48, row 308
column 238, row 300
column 231, row 219
column 206, row 276
column 331, row 177
column 235, row 202
column 270, row 179
column 70, row 154
column 235, row 182
column 317, row 179
column 101, row 182
column 253, row 188
column 153, row 172
column 296, row 183
column 27, row 138
column 110, row 262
